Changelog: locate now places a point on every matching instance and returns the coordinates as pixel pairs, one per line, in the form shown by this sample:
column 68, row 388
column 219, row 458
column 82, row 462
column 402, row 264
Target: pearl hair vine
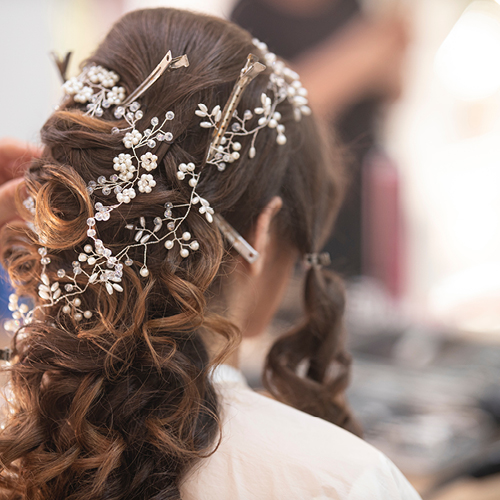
column 98, row 89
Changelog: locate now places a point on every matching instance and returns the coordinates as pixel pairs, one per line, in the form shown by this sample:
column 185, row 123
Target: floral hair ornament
column 96, row 87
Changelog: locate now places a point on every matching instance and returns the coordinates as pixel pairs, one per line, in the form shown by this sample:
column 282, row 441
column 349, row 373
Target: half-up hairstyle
column 120, row 405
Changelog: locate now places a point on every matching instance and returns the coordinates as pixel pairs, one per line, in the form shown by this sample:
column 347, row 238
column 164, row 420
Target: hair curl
column 120, row 405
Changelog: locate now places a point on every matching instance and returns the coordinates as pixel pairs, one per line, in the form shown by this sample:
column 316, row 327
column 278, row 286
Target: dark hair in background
column 119, row 406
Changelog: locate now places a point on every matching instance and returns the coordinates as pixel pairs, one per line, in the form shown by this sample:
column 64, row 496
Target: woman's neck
column 301, row 7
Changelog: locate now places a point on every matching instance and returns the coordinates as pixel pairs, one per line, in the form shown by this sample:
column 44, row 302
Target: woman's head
column 122, row 401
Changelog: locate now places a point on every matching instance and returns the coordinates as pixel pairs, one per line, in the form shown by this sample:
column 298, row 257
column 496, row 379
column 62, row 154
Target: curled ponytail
column 308, row 367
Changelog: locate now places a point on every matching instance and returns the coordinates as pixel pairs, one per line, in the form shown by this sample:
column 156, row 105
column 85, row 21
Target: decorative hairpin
column 97, row 88
column 317, row 260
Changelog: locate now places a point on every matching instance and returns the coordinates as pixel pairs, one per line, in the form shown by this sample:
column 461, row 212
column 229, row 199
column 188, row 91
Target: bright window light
column 467, row 61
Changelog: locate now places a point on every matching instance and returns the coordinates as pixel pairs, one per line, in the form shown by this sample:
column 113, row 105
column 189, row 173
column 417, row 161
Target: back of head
column 117, row 402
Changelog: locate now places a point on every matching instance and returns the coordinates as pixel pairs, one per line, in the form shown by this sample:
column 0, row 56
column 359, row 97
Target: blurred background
column 413, row 91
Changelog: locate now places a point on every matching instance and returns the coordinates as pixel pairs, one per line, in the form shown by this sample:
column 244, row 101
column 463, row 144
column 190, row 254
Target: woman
column 142, row 285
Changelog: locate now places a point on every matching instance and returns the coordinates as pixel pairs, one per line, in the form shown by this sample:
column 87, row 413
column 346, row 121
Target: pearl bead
column 236, row 146
column 169, row 244
column 194, row 245
column 77, row 302
column 281, row 139
column 144, row 272
column 184, row 253
column 186, row 236
column 88, row 248
column 66, row 309
column 78, row 317
column 87, row 314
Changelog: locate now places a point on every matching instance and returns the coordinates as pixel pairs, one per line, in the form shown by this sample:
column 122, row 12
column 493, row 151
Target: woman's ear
column 262, row 235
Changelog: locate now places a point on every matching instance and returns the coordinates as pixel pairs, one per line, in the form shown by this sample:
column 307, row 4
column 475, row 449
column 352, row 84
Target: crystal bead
column 169, row 205
column 68, row 287
column 106, row 104
column 134, row 106
column 129, row 262
column 90, row 221
column 236, row 127
column 61, row 273
column 91, row 233
column 90, row 190
column 101, row 179
column 171, row 226
column 118, row 189
column 129, row 116
column 160, row 137
column 221, row 167
column 138, row 115
column 147, row 132
column 42, row 251
column 168, row 213
column 106, row 191
column 114, row 178
column 45, row 261
column 151, row 143
column 92, row 184
column 169, row 115
column 169, row 137
column 115, row 130
column 119, row 112
column 154, row 121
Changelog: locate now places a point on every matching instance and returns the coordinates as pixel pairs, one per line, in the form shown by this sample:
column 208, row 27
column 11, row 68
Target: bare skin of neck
column 301, row 7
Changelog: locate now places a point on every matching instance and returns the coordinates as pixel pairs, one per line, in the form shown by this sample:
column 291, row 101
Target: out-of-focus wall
column 445, row 134
column 31, row 29
column 27, row 77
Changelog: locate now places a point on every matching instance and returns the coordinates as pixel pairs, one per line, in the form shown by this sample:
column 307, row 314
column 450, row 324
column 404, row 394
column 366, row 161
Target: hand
column 365, row 58
column 15, row 157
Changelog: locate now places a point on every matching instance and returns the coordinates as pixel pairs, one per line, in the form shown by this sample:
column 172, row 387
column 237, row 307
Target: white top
column 272, row 451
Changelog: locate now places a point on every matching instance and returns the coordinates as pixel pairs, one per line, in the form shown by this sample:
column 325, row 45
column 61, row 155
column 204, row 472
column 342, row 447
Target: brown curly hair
column 120, row 405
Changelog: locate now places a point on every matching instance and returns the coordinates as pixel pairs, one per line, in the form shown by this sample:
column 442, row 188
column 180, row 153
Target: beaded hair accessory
column 97, row 87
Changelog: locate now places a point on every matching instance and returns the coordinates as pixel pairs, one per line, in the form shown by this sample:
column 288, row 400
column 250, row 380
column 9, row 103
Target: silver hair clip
column 236, row 240
column 251, row 69
column 96, row 87
column 166, row 63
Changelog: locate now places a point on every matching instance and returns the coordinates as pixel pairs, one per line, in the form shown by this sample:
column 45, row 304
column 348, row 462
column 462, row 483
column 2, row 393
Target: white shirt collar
column 227, row 373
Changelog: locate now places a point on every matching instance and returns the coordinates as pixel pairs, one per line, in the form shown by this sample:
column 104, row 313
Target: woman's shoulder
column 270, row 450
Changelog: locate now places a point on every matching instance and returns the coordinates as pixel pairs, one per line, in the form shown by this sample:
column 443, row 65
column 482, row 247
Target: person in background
column 351, row 65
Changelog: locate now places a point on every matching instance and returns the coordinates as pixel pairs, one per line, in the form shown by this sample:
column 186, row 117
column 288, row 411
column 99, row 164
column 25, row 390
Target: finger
column 8, row 201
column 15, row 156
